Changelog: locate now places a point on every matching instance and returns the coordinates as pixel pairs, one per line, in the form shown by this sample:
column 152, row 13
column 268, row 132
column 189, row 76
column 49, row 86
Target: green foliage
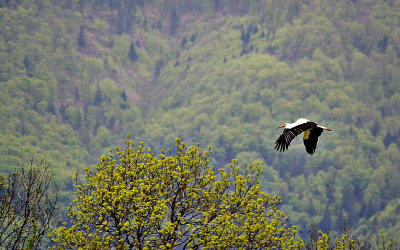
column 335, row 62
column 144, row 201
column 332, row 240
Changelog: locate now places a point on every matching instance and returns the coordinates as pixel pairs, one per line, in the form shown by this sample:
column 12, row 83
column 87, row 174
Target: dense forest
column 77, row 76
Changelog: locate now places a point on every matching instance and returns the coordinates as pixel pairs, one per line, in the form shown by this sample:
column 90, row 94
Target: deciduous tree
column 135, row 199
column 28, row 201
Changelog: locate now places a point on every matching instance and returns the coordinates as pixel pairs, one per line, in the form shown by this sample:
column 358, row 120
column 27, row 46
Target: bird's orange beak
column 284, row 125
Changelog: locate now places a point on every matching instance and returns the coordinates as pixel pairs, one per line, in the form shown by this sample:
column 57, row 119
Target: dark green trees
column 174, row 22
column 132, row 53
column 81, row 38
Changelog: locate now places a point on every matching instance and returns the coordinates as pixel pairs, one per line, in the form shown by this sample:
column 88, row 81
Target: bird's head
column 283, row 126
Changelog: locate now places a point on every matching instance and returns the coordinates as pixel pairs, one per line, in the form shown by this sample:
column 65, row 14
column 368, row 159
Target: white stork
column 311, row 131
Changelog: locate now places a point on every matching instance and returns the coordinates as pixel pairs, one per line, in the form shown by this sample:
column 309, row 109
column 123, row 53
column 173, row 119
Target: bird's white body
column 296, row 123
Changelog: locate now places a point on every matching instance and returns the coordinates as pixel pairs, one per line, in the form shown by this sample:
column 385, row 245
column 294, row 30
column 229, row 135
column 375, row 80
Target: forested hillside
column 77, row 76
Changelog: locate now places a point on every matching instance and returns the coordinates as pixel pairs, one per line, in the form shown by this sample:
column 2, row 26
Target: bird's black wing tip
column 310, row 152
column 280, row 146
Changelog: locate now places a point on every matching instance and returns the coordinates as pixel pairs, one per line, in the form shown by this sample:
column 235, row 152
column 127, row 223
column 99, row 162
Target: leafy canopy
column 135, row 199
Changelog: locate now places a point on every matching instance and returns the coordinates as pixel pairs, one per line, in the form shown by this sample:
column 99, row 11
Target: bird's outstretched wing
column 284, row 140
column 311, row 140
column 289, row 134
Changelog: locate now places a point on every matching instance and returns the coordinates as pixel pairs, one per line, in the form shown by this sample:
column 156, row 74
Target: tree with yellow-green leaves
column 135, row 199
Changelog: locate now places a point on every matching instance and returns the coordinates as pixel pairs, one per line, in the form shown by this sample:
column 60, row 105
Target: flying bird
column 311, row 131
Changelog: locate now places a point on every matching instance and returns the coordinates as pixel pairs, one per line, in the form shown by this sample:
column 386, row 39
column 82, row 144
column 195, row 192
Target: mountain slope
column 76, row 77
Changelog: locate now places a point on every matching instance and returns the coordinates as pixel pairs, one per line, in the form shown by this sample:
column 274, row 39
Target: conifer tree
column 81, row 38
column 184, row 41
column 98, row 97
column 174, row 22
column 132, row 53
